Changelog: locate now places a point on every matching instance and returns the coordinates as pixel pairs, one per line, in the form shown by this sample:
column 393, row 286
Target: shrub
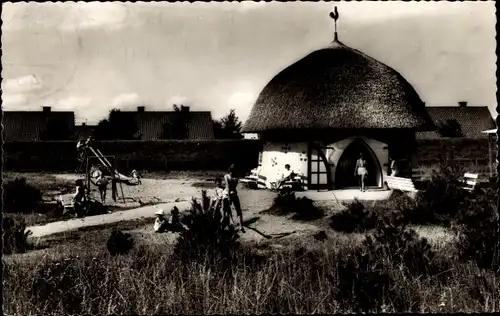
column 402, row 248
column 440, row 201
column 302, row 208
column 364, row 284
column 355, row 218
column 479, row 227
column 207, row 238
column 15, row 236
column 406, row 206
column 21, row 197
column 119, row 243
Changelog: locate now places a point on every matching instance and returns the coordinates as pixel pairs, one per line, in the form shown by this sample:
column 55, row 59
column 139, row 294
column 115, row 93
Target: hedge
column 141, row 155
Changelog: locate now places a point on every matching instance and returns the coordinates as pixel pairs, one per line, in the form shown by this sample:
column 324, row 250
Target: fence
column 141, row 155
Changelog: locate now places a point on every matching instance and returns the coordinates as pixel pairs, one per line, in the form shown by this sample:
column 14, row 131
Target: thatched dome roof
column 337, row 87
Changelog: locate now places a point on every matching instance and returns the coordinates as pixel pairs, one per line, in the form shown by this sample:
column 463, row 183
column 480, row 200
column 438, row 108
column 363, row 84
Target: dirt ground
column 160, row 190
column 153, row 191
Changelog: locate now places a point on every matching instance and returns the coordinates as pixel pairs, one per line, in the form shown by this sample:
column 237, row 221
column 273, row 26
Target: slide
column 122, row 178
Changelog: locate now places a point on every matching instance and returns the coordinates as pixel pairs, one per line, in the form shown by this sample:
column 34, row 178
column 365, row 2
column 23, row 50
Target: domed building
column 320, row 113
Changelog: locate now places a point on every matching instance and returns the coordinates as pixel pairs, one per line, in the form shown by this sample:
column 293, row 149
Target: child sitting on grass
column 161, row 222
column 172, row 224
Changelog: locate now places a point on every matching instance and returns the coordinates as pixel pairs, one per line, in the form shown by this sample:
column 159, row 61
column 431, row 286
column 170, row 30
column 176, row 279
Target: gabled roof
column 472, row 119
column 150, row 124
column 30, row 125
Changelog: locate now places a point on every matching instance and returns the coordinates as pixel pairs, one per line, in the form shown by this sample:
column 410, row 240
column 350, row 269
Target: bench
column 66, row 203
column 402, row 184
column 417, row 173
column 297, row 182
column 470, row 181
column 255, row 179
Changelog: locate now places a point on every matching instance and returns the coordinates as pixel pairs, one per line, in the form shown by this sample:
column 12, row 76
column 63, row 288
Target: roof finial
column 335, row 15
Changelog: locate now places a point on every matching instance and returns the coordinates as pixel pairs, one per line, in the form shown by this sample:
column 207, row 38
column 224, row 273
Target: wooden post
column 87, row 174
column 121, row 186
column 490, row 162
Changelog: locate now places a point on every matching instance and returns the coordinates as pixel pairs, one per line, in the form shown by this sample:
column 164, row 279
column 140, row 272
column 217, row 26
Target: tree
column 117, row 126
column 450, row 128
column 228, row 127
column 57, row 129
column 178, row 127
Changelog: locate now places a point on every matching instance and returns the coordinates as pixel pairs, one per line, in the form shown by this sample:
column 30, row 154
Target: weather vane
column 335, row 15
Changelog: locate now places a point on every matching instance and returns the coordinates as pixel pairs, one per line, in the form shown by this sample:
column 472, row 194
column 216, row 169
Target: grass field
column 73, row 272
column 296, row 276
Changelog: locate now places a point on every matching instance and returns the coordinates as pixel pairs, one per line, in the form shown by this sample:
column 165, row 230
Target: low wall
column 141, row 155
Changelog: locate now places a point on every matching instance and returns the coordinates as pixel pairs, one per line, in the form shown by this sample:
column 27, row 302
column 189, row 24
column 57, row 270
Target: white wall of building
column 276, row 155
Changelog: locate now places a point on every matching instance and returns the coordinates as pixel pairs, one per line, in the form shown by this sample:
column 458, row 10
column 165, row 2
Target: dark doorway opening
column 345, row 172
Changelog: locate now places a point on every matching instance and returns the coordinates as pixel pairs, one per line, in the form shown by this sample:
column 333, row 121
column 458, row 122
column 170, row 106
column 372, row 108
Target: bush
column 370, row 277
column 206, row 239
column 119, row 243
column 355, row 218
column 402, row 248
column 479, row 227
column 15, row 236
column 21, row 197
column 366, row 285
column 440, row 201
column 302, row 208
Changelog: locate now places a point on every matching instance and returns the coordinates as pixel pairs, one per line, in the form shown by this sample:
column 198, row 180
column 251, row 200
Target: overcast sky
column 92, row 57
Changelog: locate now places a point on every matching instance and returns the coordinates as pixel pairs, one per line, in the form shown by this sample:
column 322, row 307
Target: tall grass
column 391, row 270
column 149, row 281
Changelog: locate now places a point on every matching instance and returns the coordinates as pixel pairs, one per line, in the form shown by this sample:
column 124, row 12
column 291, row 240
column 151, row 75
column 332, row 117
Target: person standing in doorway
column 231, row 184
column 361, row 171
column 394, row 168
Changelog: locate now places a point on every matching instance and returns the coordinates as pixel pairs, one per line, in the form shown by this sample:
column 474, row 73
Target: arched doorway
column 345, row 172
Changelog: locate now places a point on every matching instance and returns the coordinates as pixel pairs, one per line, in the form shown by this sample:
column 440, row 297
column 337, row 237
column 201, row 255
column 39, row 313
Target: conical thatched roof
column 337, row 87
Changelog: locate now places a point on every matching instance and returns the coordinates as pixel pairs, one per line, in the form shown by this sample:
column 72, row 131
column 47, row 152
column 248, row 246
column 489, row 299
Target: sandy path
column 72, row 224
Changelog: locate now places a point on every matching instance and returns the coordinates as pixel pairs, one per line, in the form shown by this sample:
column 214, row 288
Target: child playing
column 221, row 197
column 102, row 185
column 136, row 176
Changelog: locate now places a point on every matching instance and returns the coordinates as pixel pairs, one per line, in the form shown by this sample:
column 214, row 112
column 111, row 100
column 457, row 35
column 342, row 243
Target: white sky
column 91, row 57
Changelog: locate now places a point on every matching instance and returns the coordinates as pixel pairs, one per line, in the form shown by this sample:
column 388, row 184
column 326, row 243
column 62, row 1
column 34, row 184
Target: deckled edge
column 497, row 107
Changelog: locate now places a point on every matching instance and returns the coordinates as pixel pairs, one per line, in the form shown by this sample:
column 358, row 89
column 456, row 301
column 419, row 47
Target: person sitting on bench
column 81, row 201
column 286, row 176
